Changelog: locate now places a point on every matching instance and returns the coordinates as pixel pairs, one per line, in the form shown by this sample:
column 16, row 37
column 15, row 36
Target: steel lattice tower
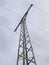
column 25, row 50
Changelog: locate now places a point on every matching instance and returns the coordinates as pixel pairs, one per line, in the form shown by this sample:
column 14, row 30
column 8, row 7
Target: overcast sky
column 11, row 12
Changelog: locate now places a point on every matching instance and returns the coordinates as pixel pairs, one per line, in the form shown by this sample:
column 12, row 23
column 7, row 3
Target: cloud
column 35, row 20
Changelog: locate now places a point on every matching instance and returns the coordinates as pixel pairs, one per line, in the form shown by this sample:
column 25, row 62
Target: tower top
column 24, row 17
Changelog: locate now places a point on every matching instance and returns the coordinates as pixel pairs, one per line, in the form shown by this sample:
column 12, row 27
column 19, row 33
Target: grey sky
column 11, row 12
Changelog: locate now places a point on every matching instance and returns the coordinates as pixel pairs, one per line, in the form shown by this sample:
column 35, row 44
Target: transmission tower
column 25, row 50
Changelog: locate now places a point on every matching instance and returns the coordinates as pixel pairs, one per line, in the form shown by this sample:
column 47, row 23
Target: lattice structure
column 25, row 50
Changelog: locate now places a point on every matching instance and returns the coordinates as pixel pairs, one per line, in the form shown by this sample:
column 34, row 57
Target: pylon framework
column 25, row 50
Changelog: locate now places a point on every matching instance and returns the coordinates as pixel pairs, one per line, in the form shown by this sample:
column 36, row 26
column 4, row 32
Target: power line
column 20, row 16
column 9, row 9
column 39, row 9
column 41, row 47
column 43, row 13
column 40, row 29
column 5, row 27
column 30, row 3
column 10, row 12
column 32, row 41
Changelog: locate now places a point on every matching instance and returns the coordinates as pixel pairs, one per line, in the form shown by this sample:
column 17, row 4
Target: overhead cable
column 39, row 9
column 41, row 47
column 6, row 27
column 20, row 16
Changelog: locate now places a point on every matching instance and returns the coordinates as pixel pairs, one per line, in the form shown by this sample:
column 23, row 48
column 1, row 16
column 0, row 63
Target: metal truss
column 25, row 50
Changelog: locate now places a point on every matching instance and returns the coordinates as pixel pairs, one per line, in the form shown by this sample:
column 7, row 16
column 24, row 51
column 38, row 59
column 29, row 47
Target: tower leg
column 26, row 53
